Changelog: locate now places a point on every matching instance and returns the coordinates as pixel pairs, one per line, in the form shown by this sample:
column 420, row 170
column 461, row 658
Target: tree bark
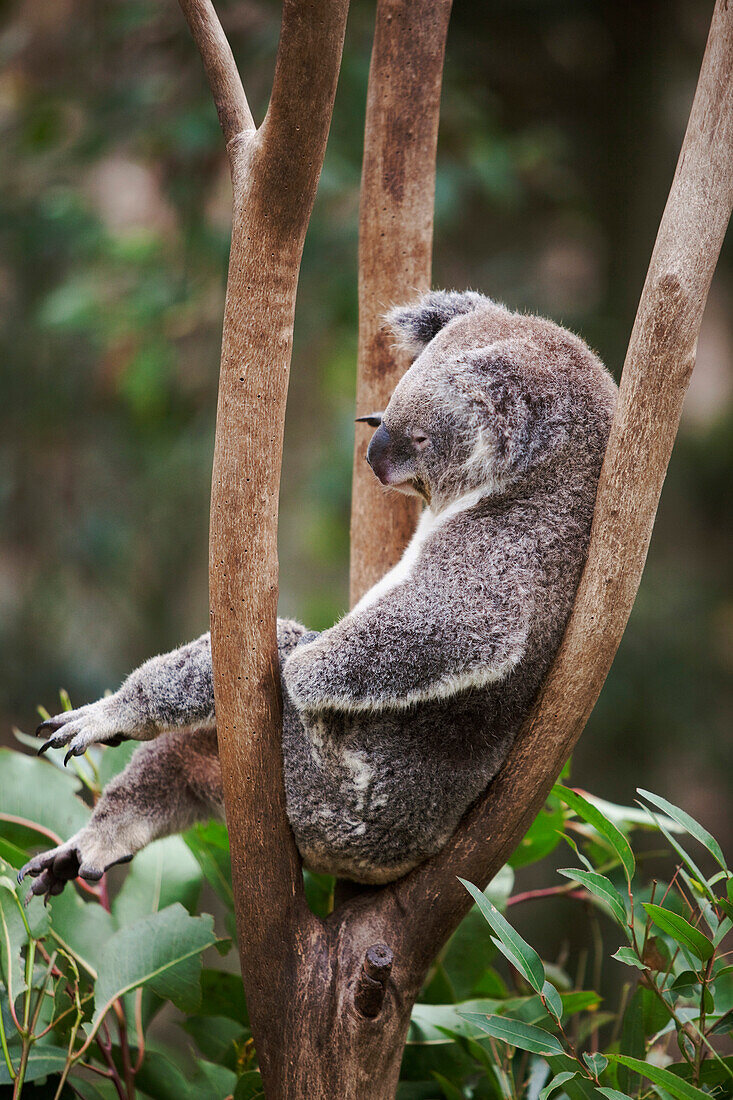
column 330, row 1001
column 395, row 249
column 275, row 171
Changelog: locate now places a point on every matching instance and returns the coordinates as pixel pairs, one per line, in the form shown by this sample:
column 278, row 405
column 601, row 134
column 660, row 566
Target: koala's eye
column 419, row 439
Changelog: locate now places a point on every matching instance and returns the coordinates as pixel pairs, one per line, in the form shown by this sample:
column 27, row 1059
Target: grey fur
column 396, row 719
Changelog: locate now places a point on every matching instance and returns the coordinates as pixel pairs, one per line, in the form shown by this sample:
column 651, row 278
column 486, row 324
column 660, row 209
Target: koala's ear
column 416, row 325
column 519, row 406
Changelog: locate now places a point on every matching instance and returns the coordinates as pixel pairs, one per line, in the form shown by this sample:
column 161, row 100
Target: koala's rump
column 369, row 797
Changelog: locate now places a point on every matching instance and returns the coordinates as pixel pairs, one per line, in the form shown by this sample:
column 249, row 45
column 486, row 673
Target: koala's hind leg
column 168, row 786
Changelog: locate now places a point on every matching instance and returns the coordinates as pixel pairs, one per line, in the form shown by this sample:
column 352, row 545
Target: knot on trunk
column 371, row 985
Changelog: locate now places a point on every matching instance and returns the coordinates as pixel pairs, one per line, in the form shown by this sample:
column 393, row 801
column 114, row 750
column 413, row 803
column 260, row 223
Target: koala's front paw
column 86, row 856
column 100, row 723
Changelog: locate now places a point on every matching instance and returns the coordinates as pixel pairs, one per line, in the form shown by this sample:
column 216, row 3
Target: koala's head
column 492, row 398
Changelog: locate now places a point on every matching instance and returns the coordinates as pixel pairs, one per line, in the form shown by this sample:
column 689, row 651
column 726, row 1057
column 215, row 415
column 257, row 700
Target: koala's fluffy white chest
column 429, row 521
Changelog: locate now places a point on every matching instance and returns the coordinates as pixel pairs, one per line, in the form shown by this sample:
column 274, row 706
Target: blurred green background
column 561, row 124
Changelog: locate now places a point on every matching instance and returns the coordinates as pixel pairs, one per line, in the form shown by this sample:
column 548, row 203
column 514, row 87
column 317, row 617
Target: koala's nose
column 377, row 452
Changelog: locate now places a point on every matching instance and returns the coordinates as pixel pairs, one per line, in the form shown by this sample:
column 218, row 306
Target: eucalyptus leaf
column 590, row 813
column 596, row 1063
column 628, row 956
column 602, row 888
column 249, row 1086
column 557, row 1082
column 38, row 793
column 681, row 931
column 516, row 1034
column 164, row 872
column 449, row 1090
column 527, row 959
column 42, row 1060
column 693, row 827
column 673, row 1084
column 162, row 951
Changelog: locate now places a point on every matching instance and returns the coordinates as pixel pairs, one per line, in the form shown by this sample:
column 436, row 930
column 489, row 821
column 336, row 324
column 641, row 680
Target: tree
column 330, row 1000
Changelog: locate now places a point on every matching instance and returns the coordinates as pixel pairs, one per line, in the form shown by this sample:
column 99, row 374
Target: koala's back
column 372, row 794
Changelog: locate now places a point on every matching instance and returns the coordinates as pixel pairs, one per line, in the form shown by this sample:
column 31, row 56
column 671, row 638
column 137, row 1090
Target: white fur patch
column 361, row 773
column 441, row 689
column 429, row 521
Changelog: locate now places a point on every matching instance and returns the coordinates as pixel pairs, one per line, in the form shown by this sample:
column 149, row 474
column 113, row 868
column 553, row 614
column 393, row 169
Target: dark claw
column 52, row 724
column 68, row 756
column 27, row 869
column 44, row 748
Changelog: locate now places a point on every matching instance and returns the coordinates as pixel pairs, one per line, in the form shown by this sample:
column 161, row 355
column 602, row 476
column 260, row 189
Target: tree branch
column 273, row 199
column 656, row 374
column 395, row 247
column 221, row 70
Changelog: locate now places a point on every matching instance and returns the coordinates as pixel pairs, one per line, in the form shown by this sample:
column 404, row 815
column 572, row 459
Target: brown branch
column 273, row 198
column 395, row 247
column 656, row 374
column 371, row 986
column 221, row 70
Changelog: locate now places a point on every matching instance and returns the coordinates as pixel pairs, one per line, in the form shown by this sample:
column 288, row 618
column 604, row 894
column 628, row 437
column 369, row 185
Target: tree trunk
column 330, row 1000
column 395, row 249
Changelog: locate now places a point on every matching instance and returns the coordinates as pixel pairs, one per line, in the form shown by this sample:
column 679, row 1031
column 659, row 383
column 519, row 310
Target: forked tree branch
column 657, row 370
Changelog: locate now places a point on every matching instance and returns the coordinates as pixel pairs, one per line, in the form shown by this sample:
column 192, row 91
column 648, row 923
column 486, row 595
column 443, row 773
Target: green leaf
column 628, row 956
column 34, row 790
column 516, row 1034
column 249, row 1086
column 164, row 872
column 557, row 1082
column 694, row 828
column 674, row 1085
column 216, row 1037
column 428, row 1023
column 210, row 846
column 449, row 1090
column 613, row 1094
column 681, row 931
column 596, row 1063
column 11, row 854
column 42, row 1060
column 602, row 888
column 162, row 951
column 13, row 937
column 701, row 881
column 470, row 951
column 222, row 994
column 553, row 1000
column 527, row 959
column 542, row 837
column 633, row 1037
column 113, row 760
column 160, row 1077
column 83, row 928
column 601, row 824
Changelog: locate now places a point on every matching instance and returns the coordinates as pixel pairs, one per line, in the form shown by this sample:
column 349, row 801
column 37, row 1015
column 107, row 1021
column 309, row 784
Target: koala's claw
column 94, row 724
column 85, row 856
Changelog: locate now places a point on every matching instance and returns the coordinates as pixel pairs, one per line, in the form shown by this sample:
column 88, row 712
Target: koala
column 396, row 719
